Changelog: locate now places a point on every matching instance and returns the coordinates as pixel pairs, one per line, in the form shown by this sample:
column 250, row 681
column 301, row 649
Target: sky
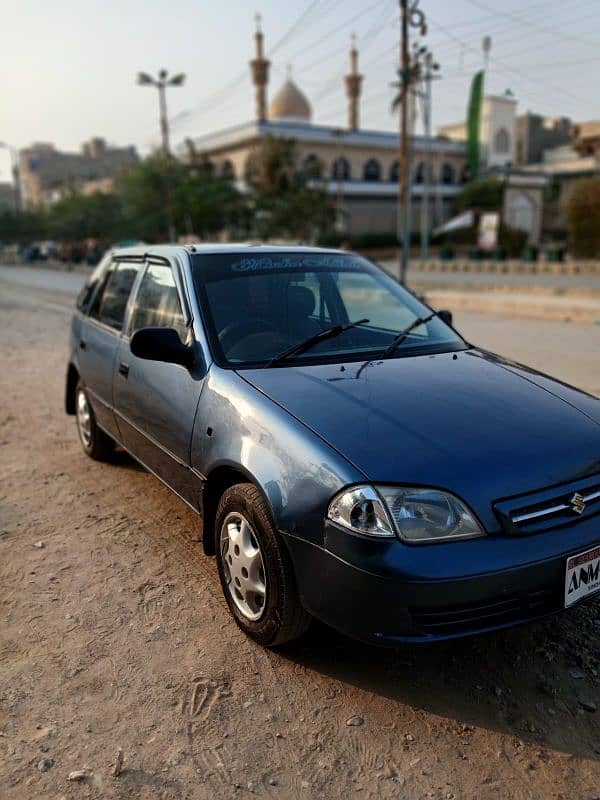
column 69, row 67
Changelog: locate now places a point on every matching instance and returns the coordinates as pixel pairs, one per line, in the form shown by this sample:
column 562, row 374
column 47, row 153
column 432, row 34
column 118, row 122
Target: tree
column 206, row 203
column 483, row 194
column 202, row 202
column 21, row 226
column 583, row 218
column 142, row 191
column 271, row 168
column 287, row 201
column 77, row 217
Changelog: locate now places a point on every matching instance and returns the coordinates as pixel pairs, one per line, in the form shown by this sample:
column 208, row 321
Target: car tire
column 95, row 443
column 243, row 520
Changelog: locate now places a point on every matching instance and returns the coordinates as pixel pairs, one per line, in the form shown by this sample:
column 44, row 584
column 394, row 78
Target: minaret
column 260, row 74
column 353, row 87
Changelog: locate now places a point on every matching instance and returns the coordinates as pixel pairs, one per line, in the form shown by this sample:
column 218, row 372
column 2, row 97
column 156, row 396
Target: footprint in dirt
column 201, row 697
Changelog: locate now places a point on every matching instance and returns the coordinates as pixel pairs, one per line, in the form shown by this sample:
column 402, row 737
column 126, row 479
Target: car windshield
column 257, row 305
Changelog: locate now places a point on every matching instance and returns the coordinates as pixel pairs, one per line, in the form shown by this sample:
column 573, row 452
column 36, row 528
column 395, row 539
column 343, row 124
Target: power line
column 293, row 29
column 213, row 99
column 364, row 44
column 501, row 33
column 525, row 21
column 505, row 67
column 327, row 36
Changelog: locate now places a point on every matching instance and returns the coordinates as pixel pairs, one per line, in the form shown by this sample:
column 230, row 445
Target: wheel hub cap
column 84, row 418
column 243, row 566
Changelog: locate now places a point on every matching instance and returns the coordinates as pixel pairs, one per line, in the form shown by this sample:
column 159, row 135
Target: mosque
column 358, row 167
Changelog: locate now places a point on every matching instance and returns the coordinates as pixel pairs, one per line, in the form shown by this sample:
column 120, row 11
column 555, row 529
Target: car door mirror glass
column 161, row 344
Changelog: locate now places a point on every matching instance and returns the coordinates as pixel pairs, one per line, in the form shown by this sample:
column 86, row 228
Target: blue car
column 350, row 456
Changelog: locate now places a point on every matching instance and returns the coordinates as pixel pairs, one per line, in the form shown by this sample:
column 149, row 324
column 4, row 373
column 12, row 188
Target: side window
column 111, row 301
column 85, row 295
column 157, row 303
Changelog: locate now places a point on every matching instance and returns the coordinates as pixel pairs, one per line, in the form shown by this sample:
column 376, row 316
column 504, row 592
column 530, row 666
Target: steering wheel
column 232, row 333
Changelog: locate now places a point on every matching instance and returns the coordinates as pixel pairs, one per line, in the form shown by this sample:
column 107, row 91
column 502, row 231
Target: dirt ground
column 114, row 634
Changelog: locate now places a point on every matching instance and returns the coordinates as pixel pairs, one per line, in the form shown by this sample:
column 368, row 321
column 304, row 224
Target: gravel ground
column 115, row 636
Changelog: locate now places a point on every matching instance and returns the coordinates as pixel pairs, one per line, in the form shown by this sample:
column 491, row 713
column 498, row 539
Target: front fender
column 237, row 426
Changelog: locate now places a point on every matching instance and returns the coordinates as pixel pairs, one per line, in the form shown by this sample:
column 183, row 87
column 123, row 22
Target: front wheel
column 255, row 570
column 96, row 444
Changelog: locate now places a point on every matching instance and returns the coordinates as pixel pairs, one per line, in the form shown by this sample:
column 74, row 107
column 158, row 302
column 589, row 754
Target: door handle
column 82, row 344
column 124, row 369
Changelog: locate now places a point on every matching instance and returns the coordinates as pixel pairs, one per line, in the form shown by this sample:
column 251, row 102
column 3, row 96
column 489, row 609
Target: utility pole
column 404, row 170
column 161, row 83
column 430, row 68
column 426, row 100
column 410, row 17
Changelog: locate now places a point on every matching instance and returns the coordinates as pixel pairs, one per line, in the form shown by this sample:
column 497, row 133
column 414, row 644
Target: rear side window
column 85, row 295
column 111, row 301
column 157, row 302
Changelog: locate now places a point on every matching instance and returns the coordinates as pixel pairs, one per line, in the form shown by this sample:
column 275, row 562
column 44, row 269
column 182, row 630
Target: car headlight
column 417, row 516
column 361, row 509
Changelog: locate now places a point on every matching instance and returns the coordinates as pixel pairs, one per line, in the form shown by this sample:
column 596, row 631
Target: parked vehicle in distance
column 350, row 455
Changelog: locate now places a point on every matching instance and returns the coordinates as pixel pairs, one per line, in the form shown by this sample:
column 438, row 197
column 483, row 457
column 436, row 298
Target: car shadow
column 121, row 458
column 528, row 681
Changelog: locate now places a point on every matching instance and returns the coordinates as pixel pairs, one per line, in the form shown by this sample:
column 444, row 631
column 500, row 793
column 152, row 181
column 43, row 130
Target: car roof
column 205, row 248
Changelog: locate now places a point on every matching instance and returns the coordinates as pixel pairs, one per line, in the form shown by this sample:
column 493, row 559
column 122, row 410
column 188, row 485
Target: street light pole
column 161, row 83
column 164, row 120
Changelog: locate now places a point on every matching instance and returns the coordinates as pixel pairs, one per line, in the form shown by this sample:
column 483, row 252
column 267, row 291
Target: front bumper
column 385, row 592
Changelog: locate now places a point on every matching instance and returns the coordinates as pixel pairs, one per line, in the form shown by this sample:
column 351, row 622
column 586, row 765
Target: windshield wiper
column 306, row 344
column 400, row 337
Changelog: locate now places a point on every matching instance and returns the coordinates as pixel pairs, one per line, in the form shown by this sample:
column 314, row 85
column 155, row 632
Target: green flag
column 473, row 120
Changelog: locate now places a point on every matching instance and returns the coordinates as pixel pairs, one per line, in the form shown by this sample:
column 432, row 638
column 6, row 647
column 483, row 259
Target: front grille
column 497, row 611
column 550, row 508
column 575, row 504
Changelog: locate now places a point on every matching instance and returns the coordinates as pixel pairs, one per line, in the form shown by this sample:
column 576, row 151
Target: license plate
column 583, row 576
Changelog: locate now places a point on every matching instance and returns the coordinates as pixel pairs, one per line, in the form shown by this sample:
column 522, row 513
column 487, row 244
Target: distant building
column 358, row 167
column 563, row 167
column 586, row 138
column 536, row 133
column 97, row 186
column 47, row 174
column 497, row 131
column 454, row 131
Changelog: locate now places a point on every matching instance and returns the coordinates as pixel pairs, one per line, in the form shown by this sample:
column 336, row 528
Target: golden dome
column 290, row 103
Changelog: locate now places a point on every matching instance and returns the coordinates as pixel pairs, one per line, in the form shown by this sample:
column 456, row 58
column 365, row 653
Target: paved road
column 567, row 351
column 45, row 279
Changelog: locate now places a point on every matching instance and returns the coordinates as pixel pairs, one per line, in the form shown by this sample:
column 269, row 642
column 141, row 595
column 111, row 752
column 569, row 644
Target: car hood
column 471, row 422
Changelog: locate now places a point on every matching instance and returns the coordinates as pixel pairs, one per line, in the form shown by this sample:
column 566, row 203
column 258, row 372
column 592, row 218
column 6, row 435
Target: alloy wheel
column 84, row 418
column 243, row 566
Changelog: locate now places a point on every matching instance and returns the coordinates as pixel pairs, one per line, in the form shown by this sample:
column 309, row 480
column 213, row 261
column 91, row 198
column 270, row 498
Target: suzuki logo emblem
column 577, row 503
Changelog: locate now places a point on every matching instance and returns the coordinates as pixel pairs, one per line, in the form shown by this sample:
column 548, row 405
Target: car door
column 99, row 339
column 156, row 402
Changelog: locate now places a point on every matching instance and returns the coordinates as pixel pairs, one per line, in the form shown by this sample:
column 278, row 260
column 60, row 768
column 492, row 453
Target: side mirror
column 445, row 316
column 161, row 344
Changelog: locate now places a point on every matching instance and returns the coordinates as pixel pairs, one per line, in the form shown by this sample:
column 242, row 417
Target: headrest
column 301, row 301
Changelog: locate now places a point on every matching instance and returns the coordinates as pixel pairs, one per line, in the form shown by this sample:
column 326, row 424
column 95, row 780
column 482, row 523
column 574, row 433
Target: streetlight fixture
column 161, row 83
